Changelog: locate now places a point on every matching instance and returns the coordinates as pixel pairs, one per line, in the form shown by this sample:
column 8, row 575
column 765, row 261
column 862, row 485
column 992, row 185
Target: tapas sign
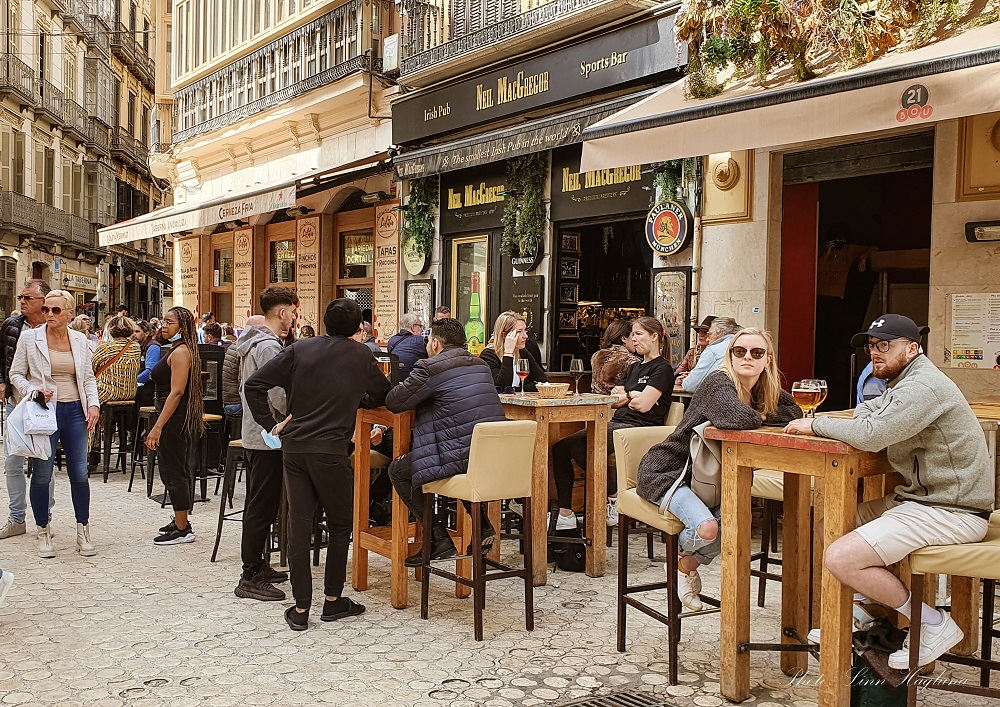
column 668, row 227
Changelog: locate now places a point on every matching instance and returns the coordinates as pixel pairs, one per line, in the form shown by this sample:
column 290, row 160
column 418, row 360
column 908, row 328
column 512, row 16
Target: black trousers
column 174, row 459
column 401, row 475
column 574, row 448
column 310, row 480
column 264, row 474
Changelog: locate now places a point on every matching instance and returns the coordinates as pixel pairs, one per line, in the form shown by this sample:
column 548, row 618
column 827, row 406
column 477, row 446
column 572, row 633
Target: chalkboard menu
column 524, row 296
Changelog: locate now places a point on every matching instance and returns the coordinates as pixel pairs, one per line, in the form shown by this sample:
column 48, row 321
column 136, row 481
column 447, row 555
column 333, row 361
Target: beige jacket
column 31, row 362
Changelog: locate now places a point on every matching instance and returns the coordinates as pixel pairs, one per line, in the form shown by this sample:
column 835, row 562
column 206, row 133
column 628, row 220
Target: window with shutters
column 42, row 54
column 130, row 116
column 8, row 276
column 6, row 157
column 132, row 18
column 38, row 168
column 69, row 70
column 49, row 176
column 77, row 190
column 470, row 16
column 99, row 83
column 144, row 126
column 12, row 30
column 67, row 186
column 20, row 154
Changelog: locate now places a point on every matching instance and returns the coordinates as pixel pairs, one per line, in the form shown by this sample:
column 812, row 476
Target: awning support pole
column 696, row 250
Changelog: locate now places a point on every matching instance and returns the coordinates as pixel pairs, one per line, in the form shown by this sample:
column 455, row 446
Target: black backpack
column 569, row 557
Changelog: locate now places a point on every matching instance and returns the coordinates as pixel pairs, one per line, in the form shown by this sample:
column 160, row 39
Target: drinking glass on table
column 809, row 395
column 522, row 367
column 576, row 370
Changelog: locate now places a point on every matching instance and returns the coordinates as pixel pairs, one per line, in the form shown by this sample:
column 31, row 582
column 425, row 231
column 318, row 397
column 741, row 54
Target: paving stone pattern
column 143, row 625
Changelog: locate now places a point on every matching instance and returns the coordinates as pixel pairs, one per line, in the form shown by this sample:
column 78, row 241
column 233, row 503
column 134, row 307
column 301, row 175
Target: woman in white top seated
column 52, row 364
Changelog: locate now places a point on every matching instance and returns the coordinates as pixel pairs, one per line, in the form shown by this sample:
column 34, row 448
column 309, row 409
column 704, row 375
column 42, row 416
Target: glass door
column 469, row 295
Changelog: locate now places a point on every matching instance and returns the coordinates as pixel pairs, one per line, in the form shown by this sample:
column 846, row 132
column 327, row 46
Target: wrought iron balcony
column 75, row 122
column 80, row 232
column 97, row 32
column 17, row 80
column 123, row 44
column 75, row 15
column 18, row 212
column 53, row 222
column 49, row 102
column 98, row 138
column 123, row 145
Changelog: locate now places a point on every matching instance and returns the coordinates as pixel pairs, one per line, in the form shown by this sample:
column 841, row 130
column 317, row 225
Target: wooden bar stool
column 235, row 456
column 140, row 455
column 500, row 466
column 117, row 415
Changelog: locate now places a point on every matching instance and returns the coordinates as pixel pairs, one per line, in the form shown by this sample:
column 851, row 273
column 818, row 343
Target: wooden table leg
column 362, row 483
column 816, row 593
column 965, row 594
column 597, row 494
column 795, row 569
column 836, row 623
column 735, row 620
column 540, row 500
column 400, row 519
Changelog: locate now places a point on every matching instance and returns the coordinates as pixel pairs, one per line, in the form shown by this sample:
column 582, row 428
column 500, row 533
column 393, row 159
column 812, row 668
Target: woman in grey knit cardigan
column 743, row 394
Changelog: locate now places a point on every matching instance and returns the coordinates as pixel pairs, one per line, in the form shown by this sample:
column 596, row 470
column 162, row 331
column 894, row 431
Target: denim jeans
column 17, row 483
column 691, row 511
column 72, row 430
column 234, row 409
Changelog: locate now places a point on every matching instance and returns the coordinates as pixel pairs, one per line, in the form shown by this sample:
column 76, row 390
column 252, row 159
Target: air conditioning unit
column 390, row 54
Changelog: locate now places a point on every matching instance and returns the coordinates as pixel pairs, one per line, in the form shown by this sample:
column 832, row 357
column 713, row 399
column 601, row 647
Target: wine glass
column 522, row 367
column 576, row 370
column 808, row 395
column 821, row 385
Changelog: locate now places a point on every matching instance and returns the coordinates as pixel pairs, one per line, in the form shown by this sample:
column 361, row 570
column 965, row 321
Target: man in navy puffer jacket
column 451, row 391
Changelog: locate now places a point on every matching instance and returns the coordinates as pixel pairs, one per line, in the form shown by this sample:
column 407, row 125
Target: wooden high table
column 595, row 410
column 840, row 467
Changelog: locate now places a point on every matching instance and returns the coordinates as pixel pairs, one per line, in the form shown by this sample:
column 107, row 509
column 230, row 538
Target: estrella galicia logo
column 668, row 227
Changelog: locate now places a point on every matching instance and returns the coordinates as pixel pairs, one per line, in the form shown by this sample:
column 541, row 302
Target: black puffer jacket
column 451, row 393
column 10, row 330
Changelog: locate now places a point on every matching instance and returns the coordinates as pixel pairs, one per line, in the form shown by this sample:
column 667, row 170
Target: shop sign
column 668, row 227
column 385, row 309
column 73, row 281
column 243, row 304
column 603, row 192
column 414, row 262
column 187, row 255
column 530, row 261
column 605, row 62
column 307, row 270
column 524, row 296
column 472, row 199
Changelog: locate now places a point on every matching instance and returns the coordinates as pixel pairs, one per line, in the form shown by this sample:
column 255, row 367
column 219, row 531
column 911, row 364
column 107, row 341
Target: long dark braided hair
column 194, row 424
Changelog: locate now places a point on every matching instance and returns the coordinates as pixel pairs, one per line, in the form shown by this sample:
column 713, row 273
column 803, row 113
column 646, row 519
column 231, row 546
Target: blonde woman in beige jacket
column 54, row 362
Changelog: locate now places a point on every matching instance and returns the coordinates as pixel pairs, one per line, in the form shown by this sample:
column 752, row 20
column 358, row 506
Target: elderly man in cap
column 933, row 440
column 690, row 359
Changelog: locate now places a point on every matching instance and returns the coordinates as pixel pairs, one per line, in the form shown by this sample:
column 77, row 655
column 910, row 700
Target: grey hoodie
column 931, row 436
column 255, row 347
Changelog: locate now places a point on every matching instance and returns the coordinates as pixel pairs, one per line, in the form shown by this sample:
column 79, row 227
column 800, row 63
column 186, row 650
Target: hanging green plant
column 669, row 178
column 418, row 223
column 524, row 213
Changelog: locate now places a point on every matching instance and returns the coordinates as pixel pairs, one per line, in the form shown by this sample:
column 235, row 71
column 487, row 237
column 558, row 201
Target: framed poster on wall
column 670, row 303
column 419, row 299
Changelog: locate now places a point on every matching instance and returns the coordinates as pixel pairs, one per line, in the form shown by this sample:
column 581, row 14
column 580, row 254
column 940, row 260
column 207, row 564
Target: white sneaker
column 935, row 641
column 6, row 582
column 813, row 635
column 688, row 589
column 83, row 544
column 862, row 621
column 515, row 506
column 612, row 512
column 45, row 548
column 562, row 522
column 11, row 529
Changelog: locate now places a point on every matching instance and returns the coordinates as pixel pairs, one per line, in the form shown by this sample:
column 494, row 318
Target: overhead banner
column 176, row 220
column 385, row 309
column 187, row 255
column 243, row 303
column 307, row 271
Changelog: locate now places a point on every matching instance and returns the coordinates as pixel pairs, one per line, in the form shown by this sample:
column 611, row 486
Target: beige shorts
column 895, row 529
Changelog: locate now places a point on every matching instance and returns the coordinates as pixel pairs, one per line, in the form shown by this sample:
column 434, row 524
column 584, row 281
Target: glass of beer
column 385, row 365
column 809, row 394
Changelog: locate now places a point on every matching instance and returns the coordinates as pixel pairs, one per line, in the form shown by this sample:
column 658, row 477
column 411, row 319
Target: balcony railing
column 18, row 212
column 98, row 139
column 75, row 15
column 325, row 50
column 144, row 68
column 123, row 44
column 97, row 32
column 53, row 222
column 80, row 232
column 75, row 119
column 49, row 102
column 123, row 144
column 17, row 79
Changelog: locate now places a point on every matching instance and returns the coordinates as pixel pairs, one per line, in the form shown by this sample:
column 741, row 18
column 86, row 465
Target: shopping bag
column 39, row 420
column 21, row 444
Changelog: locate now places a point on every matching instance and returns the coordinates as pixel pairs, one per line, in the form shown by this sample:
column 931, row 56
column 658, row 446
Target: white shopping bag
column 39, row 420
column 20, row 443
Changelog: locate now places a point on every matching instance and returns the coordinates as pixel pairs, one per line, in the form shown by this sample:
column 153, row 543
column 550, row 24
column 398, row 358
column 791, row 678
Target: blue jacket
column 875, row 384
column 451, row 393
column 410, row 348
column 709, row 361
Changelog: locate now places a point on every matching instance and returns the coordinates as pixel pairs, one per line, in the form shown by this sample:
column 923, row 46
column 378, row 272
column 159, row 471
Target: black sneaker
column 172, row 525
column 341, row 608
column 258, row 589
column 175, row 537
column 269, row 574
column 442, row 547
column 296, row 620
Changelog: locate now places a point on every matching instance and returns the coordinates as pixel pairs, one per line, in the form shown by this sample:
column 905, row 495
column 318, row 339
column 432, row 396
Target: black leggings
column 574, row 448
column 174, row 457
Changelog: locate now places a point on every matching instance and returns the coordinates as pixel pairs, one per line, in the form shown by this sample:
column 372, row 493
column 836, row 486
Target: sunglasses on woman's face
column 741, row 352
column 54, row 310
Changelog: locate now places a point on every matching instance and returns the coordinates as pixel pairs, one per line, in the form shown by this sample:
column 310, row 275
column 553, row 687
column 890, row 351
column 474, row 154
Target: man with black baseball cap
column 933, row 440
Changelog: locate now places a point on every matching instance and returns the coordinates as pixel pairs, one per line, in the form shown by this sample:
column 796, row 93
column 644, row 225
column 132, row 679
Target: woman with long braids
column 177, row 383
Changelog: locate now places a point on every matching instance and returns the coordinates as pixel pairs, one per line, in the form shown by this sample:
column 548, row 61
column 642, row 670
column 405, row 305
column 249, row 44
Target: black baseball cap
column 888, row 327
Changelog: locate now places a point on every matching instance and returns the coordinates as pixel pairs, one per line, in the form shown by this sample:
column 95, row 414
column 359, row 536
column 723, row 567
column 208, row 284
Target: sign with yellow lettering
column 602, row 192
column 472, row 199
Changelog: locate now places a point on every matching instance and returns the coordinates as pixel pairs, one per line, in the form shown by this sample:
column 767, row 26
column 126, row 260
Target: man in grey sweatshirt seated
column 933, row 440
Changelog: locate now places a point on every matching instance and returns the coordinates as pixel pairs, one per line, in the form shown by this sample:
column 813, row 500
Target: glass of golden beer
column 809, row 394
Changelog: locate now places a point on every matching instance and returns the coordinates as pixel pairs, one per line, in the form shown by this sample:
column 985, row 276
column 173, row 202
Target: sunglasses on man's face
column 54, row 310
column 741, row 352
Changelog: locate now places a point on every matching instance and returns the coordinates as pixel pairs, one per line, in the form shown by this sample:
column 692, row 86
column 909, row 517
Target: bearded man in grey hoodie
column 934, row 441
column 255, row 347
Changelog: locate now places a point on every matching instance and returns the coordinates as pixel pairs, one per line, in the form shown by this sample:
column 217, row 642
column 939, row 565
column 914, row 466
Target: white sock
column 904, row 610
column 930, row 616
column 861, row 598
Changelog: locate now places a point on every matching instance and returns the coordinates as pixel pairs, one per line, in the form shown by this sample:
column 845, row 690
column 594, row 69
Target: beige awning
column 953, row 78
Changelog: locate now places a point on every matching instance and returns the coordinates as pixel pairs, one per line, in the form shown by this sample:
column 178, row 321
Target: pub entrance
column 856, row 234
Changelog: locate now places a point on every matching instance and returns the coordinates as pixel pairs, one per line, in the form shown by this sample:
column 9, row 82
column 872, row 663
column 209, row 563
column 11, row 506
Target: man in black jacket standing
column 452, row 391
column 326, row 379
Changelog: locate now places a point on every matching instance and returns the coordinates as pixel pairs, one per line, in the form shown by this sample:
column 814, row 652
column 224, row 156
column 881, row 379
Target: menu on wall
column 243, row 303
column 975, row 330
column 307, row 236
column 186, row 263
column 385, row 309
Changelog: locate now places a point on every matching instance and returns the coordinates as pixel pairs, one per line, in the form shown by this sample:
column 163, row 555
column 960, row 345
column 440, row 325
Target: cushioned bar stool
column 630, row 446
column 140, row 455
column 117, row 415
column 234, row 457
column 980, row 560
column 500, row 463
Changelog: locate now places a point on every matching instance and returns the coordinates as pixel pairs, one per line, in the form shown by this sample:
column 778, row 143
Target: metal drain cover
column 627, row 698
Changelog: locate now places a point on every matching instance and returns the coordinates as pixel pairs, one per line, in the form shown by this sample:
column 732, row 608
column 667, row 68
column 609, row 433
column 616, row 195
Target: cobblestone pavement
column 144, row 625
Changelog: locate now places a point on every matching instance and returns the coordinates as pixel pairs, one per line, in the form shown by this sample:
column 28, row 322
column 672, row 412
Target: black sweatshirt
column 326, row 379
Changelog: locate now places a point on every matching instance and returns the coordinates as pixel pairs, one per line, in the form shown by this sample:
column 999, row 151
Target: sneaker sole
column 14, row 534
column 244, row 594
column 87, row 553
column 178, row 541
column 47, row 555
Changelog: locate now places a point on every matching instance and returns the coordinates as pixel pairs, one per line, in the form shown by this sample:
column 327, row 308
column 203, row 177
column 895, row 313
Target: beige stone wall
column 956, row 264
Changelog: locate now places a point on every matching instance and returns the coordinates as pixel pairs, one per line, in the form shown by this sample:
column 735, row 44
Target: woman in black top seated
column 507, row 346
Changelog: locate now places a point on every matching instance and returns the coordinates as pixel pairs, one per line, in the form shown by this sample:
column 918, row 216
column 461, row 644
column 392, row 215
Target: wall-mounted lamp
column 65, row 282
column 373, row 197
column 233, row 225
column 297, row 211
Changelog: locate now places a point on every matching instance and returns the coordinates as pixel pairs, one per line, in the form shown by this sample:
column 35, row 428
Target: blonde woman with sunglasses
column 52, row 363
column 742, row 394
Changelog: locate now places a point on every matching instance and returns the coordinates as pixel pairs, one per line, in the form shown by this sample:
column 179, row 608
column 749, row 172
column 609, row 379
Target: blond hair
column 766, row 392
column 505, row 324
column 67, row 297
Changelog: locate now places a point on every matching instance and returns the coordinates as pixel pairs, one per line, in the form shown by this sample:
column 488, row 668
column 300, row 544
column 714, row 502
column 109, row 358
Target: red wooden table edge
column 773, row 437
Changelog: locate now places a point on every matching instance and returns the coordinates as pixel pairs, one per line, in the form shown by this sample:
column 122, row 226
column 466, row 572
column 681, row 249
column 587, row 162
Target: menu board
column 975, row 330
column 186, row 261
column 243, row 304
column 385, row 309
column 307, row 245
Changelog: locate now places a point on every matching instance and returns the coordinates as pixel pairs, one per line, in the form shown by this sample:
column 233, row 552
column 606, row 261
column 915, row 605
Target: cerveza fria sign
column 630, row 54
